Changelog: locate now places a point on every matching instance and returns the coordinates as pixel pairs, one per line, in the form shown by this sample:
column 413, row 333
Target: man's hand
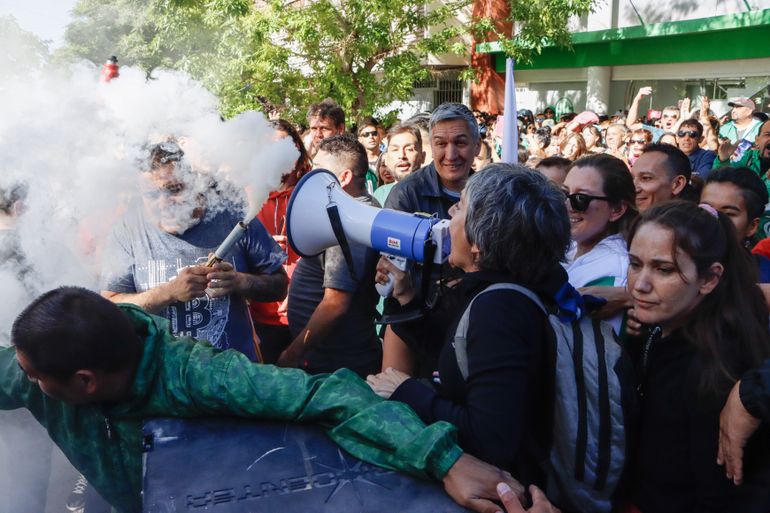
column 726, row 149
column 385, row 383
column 540, row 503
column 291, row 356
column 190, row 283
column 473, row 484
column 684, row 109
column 736, row 425
column 705, row 105
column 643, row 91
column 223, row 280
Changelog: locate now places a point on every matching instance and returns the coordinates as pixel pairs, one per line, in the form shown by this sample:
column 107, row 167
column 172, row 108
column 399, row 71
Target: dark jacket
column 755, row 392
column 675, row 469
column 499, row 407
column 187, row 378
column 421, row 192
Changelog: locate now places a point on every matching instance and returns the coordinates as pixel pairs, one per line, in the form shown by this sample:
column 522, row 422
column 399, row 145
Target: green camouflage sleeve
column 14, row 385
column 385, row 433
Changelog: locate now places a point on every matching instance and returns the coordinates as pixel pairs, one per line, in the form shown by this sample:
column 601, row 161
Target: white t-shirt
column 606, row 264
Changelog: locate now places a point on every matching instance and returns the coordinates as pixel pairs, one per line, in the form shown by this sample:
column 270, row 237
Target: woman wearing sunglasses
column 637, row 141
column 600, row 200
column 695, row 287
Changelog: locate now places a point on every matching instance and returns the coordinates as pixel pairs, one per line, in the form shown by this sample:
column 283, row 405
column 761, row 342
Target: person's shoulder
column 504, row 305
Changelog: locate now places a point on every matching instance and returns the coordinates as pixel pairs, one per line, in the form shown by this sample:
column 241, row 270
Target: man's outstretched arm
column 388, row 434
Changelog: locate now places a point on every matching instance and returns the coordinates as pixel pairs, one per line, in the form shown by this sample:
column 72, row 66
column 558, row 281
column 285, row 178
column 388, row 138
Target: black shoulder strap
column 339, row 233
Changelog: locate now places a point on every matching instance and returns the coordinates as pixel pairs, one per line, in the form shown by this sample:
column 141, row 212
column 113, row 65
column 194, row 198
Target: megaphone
column 321, row 215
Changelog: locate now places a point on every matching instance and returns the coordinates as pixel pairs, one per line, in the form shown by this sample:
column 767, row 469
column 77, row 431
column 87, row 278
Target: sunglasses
column 579, row 202
column 689, row 133
column 372, row 133
column 638, row 141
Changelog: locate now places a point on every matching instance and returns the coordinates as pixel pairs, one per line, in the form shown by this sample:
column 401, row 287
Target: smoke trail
column 80, row 147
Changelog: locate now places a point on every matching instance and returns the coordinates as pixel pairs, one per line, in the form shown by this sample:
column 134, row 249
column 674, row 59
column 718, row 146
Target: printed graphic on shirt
column 203, row 318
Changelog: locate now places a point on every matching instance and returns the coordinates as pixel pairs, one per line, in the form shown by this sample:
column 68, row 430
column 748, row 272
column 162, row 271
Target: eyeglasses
column 579, row 202
column 372, row 133
column 638, row 141
column 689, row 133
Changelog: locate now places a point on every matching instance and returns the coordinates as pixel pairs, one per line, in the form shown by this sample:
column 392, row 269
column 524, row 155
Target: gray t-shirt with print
column 144, row 256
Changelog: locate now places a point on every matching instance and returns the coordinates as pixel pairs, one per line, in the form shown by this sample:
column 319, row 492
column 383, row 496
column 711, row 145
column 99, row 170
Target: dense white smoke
column 80, row 147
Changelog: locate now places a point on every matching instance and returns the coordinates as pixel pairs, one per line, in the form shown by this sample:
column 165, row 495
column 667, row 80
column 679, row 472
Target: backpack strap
column 460, row 341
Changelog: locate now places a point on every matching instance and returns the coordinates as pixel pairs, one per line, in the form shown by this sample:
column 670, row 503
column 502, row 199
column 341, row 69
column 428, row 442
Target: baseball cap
column 742, row 102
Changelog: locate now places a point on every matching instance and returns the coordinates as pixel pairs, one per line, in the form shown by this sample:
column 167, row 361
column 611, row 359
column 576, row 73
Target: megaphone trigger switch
column 386, row 289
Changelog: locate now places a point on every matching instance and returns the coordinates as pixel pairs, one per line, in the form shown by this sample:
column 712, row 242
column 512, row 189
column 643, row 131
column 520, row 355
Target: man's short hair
column 403, row 128
column 327, row 109
column 452, row 111
column 692, row 123
column 368, row 121
column 70, row 329
column 676, row 162
column 557, row 162
column 673, row 108
column 348, row 151
column 752, row 188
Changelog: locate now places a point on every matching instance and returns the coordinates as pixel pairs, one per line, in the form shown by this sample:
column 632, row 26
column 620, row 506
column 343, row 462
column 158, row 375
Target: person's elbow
column 279, row 285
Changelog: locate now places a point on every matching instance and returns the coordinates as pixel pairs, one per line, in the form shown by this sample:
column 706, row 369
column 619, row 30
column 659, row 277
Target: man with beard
column 403, row 156
column 758, row 160
column 158, row 251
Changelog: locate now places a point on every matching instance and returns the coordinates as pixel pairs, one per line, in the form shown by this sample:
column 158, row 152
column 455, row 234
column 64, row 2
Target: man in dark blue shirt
column 689, row 138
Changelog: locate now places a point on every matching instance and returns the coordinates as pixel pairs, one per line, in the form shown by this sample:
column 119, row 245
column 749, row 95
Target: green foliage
column 282, row 55
column 537, row 23
column 23, row 51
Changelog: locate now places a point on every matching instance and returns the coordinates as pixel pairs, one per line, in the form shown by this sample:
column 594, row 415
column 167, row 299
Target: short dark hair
column 617, row 185
column 677, row 162
column 368, row 121
column 349, row 151
column 410, row 128
column 752, row 188
column 70, row 329
column 327, row 109
column 692, row 123
column 558, row 162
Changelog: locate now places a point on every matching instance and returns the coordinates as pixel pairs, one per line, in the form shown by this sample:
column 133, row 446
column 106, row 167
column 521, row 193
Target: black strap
column 580, row 387
column 605, row 432
column 339, row 233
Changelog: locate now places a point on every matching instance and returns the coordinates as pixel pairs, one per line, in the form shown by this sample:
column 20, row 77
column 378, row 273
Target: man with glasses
column 688, row 139
column 370, row 136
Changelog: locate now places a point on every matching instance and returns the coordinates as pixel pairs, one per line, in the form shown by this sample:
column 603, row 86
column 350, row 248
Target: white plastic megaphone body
column 321, row 215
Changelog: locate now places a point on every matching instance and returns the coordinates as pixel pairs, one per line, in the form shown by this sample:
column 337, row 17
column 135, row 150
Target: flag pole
column 510, row 118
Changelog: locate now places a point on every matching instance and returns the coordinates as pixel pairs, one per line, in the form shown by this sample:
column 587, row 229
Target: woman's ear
column 711, row 281
column 617, row 211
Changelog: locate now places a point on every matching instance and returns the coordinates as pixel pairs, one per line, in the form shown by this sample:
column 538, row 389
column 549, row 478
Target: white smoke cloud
column 79, row 146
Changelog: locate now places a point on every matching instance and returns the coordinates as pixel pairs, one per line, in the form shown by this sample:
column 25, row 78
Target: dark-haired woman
column 692, row 282
column 600, row 200
column 270, row 319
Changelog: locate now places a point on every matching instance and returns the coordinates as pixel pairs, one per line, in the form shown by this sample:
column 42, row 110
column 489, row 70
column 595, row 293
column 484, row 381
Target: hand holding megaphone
column 392, row 278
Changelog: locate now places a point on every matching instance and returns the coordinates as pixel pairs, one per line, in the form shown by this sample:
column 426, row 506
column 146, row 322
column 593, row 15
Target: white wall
column 620, row 13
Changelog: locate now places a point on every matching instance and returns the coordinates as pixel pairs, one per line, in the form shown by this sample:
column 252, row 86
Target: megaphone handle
column 386, row 289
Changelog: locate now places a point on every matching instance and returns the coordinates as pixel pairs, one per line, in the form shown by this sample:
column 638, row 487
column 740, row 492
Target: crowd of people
column 653, row 227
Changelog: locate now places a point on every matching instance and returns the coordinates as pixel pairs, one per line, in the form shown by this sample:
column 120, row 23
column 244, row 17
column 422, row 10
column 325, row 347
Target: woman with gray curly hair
column 510, row 226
